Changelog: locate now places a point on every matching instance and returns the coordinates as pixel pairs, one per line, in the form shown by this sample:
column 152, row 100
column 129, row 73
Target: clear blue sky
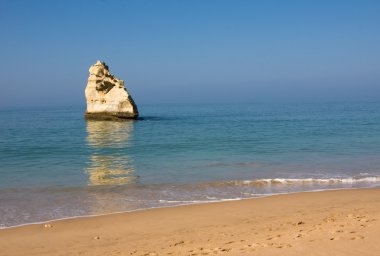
column 191, row 51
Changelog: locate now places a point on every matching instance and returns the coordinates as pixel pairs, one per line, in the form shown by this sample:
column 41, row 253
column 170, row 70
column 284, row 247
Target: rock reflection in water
column 108, row 163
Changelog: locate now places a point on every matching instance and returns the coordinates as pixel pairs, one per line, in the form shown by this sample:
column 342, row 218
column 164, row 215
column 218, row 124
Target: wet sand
column 341, row 222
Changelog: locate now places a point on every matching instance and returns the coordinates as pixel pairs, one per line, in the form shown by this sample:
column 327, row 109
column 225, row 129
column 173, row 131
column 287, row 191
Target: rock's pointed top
column 100, row 63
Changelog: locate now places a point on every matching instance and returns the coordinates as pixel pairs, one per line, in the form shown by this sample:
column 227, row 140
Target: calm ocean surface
column 54, row 164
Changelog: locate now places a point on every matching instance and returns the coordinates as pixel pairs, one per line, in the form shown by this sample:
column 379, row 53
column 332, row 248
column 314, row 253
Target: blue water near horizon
column 55, row 164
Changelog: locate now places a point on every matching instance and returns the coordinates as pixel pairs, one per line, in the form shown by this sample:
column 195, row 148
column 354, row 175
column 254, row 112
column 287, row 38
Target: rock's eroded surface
column 107, row 97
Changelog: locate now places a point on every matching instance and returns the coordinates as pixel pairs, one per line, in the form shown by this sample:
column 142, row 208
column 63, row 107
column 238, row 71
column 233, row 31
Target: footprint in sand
column 280, row 246
column 150, row 254
column 179, row 243
column 329, row 219
column 357, row 237
column 275, row 245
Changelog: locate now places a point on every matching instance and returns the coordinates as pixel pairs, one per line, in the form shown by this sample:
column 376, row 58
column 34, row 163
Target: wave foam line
column 307, row 181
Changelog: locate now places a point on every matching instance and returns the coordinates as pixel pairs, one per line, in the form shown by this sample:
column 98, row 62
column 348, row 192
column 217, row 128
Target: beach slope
column 341, row 222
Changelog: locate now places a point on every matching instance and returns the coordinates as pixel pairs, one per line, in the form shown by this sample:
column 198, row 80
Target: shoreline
column 184, row 204
column 346, row 221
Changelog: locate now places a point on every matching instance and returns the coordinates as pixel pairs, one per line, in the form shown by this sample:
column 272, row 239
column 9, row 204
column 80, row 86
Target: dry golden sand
column 344, row 222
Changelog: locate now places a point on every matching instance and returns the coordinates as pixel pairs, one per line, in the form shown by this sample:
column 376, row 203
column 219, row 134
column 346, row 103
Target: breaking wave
column 304, row 181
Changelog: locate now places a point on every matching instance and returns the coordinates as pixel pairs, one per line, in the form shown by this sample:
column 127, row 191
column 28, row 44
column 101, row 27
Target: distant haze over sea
column 191, row 52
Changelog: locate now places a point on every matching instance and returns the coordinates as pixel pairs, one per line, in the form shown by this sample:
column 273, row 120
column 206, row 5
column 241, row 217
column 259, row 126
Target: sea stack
column 107, row 98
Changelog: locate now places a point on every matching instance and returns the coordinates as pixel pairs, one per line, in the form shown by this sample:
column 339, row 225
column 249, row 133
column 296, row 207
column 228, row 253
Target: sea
column 54, row 164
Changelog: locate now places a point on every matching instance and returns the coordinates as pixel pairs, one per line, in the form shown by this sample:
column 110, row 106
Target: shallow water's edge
column 188, row 203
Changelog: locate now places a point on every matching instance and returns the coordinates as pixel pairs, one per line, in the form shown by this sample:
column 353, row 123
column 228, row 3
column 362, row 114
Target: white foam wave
column 183, row 202
column 286, row 181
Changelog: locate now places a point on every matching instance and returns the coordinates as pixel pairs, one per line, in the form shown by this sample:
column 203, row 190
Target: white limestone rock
column 107, row 97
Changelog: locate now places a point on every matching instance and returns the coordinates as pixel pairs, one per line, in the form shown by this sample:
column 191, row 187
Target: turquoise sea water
column 55, row 164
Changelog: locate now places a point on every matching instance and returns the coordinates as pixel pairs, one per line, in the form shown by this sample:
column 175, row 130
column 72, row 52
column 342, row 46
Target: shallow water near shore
column 55, row 164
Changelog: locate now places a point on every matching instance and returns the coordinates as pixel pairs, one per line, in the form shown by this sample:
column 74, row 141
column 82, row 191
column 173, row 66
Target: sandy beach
column 340, row 222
